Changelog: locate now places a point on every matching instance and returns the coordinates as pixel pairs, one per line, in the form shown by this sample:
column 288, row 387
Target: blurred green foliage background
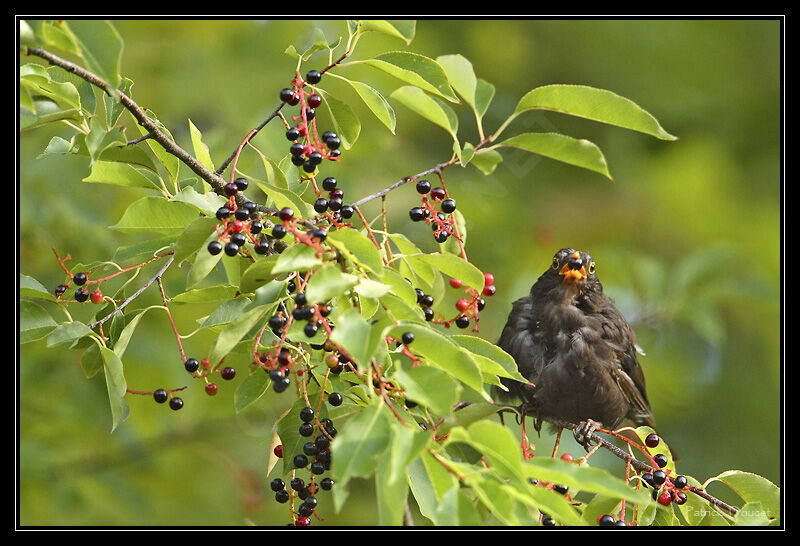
column 687, row 241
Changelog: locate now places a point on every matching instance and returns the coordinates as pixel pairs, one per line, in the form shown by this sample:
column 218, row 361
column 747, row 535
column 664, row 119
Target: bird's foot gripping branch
column 322, row 304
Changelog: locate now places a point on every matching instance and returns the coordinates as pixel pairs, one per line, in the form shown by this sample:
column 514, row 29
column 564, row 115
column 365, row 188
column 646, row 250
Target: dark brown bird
column 576, row 348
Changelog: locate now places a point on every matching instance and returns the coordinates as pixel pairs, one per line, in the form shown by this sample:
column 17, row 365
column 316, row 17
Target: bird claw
column 584, row 433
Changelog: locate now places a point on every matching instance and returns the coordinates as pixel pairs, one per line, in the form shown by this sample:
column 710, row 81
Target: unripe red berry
column 462, row 304
column 211, row 389
column 489, row 290
column 278, row 451
column 238, row 225
column 96, row 296
column 567, row 457
column 665, row 498
column 488, row 279
column 455, row 283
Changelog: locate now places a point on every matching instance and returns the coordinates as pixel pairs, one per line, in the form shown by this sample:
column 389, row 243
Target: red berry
column 567, row 457
column 455, row 283
column 96, row 296
column 488, row 279
column 238, row 225
column 228, row 373
column 665, row 498
column 314, row 101
column 438, row 193
column 286, row 214
column 205, row 363
column 302, row 521
column 462, row 304
column 278, row 451
column 489, row 290
column 211, row 389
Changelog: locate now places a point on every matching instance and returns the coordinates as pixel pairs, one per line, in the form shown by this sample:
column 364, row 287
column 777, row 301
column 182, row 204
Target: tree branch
column 169, row 145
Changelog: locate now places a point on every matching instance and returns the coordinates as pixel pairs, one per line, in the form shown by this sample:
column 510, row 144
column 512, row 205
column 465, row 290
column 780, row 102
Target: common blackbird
column 575, row 347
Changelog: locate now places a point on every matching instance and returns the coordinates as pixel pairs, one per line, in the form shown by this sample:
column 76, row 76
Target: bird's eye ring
column 555, row 263
column 591, row 268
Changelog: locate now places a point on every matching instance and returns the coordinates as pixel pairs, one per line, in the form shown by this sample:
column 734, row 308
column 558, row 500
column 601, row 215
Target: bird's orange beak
column 573, row 275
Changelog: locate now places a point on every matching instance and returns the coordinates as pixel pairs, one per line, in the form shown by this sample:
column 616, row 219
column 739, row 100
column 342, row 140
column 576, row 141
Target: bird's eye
column 555, row 263
column 591, row 268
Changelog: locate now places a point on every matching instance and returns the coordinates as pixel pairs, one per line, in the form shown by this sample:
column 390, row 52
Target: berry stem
column 171, row 321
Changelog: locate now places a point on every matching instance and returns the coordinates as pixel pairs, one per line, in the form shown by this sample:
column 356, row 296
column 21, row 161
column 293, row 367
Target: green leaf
column 34, row 322
column 455, row 267
column 203, row 264
column 200, row 149
column 194, row 237
column 40, row 82
column 399, row 28
column 440, row 351
column 31, row 288
column 145, row 249
column 461, row 75
column 428, row 107
column 67, row 333
column 371, row 289
column 484, row 93
column 592, row 103
column 456, row 509
column 100, row 45
column 415, row 69
column 258, row 274
column 581, row 153
column 226, row 312
column 583, row 477
column 209, row 294
column 298, row 257
column 329, row 282
column 360, row 444
column 235, row 331
column 752, row 488
column 353, row 333
column 207, row 203
column 116, row 385
column 390, row 496
column 99, row 139
column 114, row 107
column 491, row 352
column 319, row 42
column 430, row 387
column 120, row 174
column 127, row 332
column 156, row 214
column 407, row 444
column 251, row 389
column 357, row 247
column 169, row 161
column 91, row 361
column 345, row 122
column 375, row 102
column 286, row 198
column 56, row 34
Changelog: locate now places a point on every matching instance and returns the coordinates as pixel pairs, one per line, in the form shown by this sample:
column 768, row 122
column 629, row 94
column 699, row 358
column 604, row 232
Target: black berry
column 408, row 338
column 160, row 396
column 300, row 460
column 241, row 214
column 231, row 249
column 317, row 467
column 321, row 205
column 278, row 231
column 286, row 94
column 60, row 289
column 651, row 440
column 328, row 135
column 314, row 101
column 416, row 214
column 326, row 484
column 228, row 373
column 241, row 184
column 310, row 329
column 462, row 321
column 191, row 365
column 296, row 148
column 448, row 205
column 282, row 384
column 660, row 459
column 230, row 189
column 239, row 239
column 79, row 279
column 293, row 133
column 659, row 477
column 605, row 520
column 680, row 482
column 335, row 399
column 333, row 143
column 81, row 295
column 313, row 76
column 423, row 186
column 347, row 211
column 329, row 184
column 306, row 429
column 277, row 485
column 306, row 414
column 282, row 496
column 175, row 403
column 256, row 227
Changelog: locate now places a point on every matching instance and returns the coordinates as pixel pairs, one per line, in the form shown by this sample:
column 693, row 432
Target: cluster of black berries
column 81, row 295
column 334, row 202
column 671, row 492
column 161, row 396
column 441, row 222
column 311, row 153
column 318, row 448
column 425, row 301
column 237, row 224
column 607, row 520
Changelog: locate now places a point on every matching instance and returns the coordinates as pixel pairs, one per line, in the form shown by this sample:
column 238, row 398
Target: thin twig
column 135, row 294
column 221, row 168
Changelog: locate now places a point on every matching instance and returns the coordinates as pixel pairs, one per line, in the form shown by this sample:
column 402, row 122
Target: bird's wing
column 629, row 376
column 519, row 339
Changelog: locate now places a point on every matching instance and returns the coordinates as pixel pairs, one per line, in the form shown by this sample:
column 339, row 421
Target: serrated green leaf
column 34, row 322
column 375, row 102
column 251, row 389
column 298, row 257
column 415, row 69
column 100, row 45
column 116, row 385
column 67, row 332
column 357, row 247
column 428, row 107
column 156, row 214
column 345, row 122
column 592, row 103
column 581, row 153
